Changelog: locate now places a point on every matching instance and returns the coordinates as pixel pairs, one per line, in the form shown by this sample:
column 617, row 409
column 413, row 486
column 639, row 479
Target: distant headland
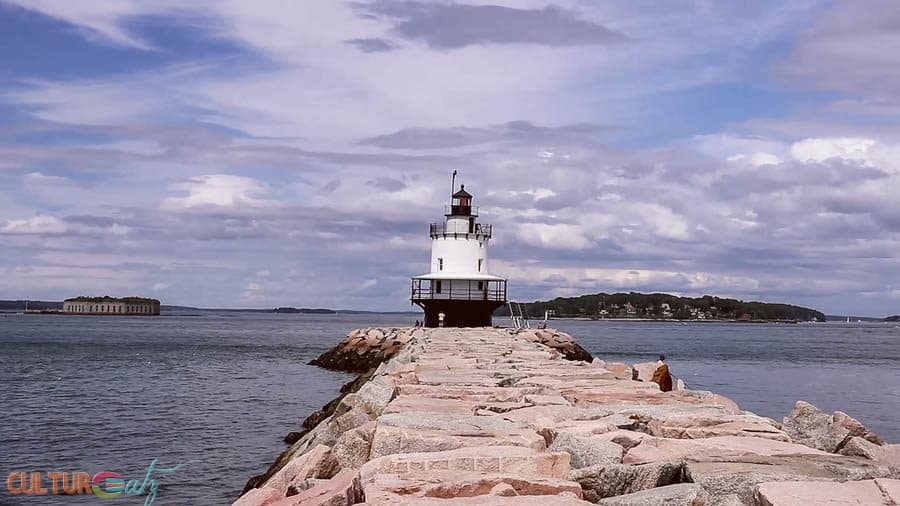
column 662, row 306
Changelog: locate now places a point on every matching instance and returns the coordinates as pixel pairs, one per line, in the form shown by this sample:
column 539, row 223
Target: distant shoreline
column 672, row 320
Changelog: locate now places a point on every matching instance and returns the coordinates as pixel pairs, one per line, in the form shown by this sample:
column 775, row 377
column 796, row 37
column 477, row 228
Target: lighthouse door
column 472, row 225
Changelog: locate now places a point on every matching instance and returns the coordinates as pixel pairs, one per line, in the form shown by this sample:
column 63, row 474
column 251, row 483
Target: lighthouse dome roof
column 462, row 192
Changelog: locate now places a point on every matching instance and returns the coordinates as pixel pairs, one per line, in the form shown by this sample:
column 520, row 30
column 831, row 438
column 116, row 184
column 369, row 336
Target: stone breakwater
column 498, row 416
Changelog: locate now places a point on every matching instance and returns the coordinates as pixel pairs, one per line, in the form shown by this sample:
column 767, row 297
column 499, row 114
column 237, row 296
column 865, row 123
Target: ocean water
column 216, row 391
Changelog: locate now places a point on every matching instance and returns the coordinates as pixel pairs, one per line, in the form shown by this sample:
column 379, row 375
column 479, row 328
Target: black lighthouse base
column 459, row 313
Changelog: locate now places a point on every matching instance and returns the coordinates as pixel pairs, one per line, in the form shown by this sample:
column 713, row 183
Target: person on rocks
column 661, row 375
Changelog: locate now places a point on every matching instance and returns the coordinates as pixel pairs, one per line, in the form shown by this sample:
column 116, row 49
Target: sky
column 273, row 153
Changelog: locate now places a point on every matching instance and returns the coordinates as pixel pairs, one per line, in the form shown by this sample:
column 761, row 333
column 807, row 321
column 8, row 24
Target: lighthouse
column 459, row 291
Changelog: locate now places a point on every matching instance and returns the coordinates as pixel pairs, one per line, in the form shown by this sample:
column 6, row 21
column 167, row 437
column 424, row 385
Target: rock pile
column 366, row 348
column 492, row 416
column 560, row 341
column 808, row 425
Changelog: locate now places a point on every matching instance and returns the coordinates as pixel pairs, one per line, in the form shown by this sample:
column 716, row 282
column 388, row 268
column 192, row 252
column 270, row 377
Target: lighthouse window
column 480, row 261
column 440, row 265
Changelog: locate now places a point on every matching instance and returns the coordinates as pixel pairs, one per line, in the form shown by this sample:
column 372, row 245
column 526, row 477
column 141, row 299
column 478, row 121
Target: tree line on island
column 665, row 307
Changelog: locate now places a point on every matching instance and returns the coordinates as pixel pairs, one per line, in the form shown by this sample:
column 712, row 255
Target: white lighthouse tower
column 459, row 291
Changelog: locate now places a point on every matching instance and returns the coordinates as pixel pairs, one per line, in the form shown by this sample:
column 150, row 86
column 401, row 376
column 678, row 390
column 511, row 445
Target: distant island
column 303, row 310
column 895, row 318
column 662, row 306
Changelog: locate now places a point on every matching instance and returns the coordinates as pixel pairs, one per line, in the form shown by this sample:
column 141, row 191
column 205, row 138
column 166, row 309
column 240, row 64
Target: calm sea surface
column 217, row 390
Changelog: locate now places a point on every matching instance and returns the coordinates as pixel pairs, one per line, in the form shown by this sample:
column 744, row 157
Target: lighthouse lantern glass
column 462, row 201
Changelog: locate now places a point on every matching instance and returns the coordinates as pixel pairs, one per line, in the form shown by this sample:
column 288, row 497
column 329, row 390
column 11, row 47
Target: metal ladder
column 518, row 315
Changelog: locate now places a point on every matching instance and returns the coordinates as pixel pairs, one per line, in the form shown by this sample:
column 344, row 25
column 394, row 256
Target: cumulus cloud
column 219, row 190
column 817, row 150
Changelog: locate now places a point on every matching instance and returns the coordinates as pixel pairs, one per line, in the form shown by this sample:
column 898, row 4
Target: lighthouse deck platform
column 526, row 417
column 488, row 289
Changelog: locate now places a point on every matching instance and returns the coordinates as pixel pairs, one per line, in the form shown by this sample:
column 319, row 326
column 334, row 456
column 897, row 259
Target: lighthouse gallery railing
column 479, row 231
column 432, row 289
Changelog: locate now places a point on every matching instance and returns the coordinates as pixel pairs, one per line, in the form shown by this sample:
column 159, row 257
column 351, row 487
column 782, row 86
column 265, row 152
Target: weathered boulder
column 545, row 400
column 550, row 417
column 856, row 428
column 316, row 463
column 621, row 370
column 390, row 439
column 258, row 497
column 485, row 459
column 327, row 432
column 859, row 447
column 812, row 427
column 609, row 480
column 449, row 485
column 298, row 486
column 653, row 449
column 586, row 451
column 703, row 397
column 739, row 476
column 644, row 371
column 890, row 488
column 503, row 490
column 374, row 396
column 789, row 493
column 352, row 448
column 452, row 423
column 627, row 439
column 562, row 499
column 703, row 425
column 890, row 456
column 344, row 489
column 681, row 494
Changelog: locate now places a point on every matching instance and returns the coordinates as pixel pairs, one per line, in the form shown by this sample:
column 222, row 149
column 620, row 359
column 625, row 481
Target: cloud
column 373, row 45
column 38, row 225
column 40, row 179
column 388, row 184
column 219, row 190
column 818, row 150
column 99, row 20
column 453, row 26
column 513, row 131
column 756, row 159
column 853, row 47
